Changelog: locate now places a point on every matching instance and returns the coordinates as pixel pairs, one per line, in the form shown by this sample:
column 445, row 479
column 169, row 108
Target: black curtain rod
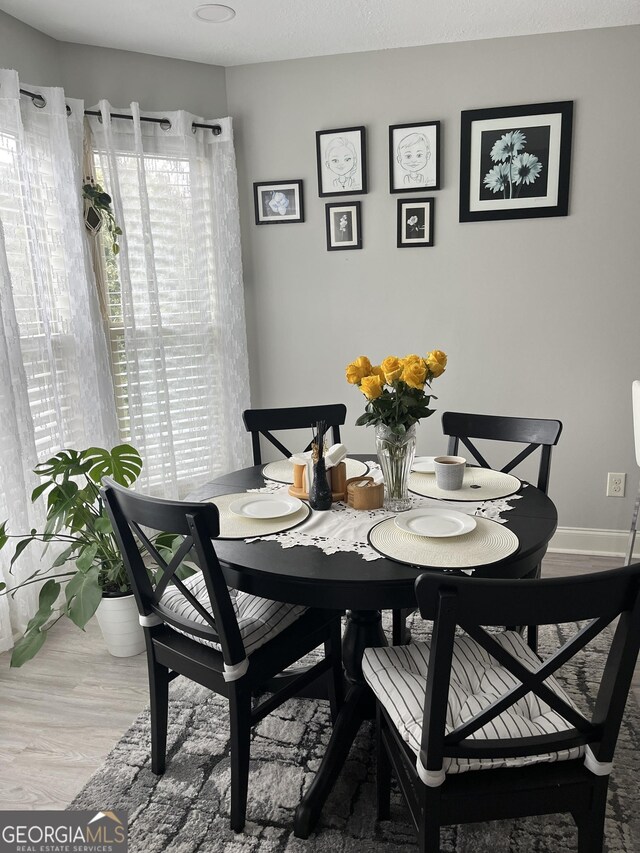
column 39, row 101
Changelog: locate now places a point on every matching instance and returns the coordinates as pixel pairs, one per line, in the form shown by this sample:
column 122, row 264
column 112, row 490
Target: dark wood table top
column 306, row 575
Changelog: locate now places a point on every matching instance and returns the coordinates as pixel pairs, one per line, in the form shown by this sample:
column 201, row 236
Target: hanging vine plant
column 98, row 212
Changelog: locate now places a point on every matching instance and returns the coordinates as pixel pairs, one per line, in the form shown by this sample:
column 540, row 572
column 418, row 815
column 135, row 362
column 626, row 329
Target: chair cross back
column 212, row 652
column 197, row 524
column 267, row 421
column 536, row 433
column 530, row 682
column 471, row 603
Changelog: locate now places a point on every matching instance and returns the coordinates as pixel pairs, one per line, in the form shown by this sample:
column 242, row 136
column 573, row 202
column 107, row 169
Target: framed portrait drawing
column 415, row 222
column 278, row 201
column 414, row 157
column 515, row 161
column 342, row 161
column 344, row 226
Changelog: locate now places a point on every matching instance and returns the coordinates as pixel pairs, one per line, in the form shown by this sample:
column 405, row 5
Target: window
column 161, row 317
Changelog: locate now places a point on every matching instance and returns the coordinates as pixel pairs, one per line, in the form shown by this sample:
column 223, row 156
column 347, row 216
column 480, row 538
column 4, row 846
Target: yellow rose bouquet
column 398, row 393
column 398, row 390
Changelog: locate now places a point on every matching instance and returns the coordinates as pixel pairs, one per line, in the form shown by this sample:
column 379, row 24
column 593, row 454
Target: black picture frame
column 277, row 202
column 414, row 157
column 490, row 151
column 344, row 225
column 349, row 174
column 419, row 232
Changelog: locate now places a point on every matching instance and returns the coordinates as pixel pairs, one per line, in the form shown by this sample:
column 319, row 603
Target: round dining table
column 362, row 588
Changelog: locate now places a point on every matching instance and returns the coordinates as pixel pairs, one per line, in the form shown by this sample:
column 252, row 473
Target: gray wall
column 120, row 76
column 538, row 317
column 33, row 54
column 156, row 82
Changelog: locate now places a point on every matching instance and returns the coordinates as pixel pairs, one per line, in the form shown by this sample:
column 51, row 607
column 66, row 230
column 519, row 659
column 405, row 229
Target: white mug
column 449, row 472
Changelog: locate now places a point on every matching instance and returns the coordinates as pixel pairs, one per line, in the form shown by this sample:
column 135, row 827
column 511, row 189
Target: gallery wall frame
column 515, row 161
column 344, row 225
column 414, row 157
column 276, row 202
column 415, row 220
column 342, row 161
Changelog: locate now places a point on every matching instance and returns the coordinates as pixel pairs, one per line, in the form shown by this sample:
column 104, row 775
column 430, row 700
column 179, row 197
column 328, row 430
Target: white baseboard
column 587, row 540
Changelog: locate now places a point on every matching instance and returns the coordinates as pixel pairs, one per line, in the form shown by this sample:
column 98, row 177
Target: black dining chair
column 635, row 403
column 475, row 726
column 267, row 421
column 230, row 642
column 538, row 434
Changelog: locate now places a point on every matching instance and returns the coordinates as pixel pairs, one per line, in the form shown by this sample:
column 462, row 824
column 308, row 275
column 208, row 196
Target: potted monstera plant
column 86, row 558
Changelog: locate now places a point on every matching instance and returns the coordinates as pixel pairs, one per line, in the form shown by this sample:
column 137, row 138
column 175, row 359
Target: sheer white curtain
column 175, row 297
column 55, row 385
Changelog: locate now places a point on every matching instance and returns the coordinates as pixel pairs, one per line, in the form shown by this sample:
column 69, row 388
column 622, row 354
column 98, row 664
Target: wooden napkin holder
column 338, row 476
column 369, row 496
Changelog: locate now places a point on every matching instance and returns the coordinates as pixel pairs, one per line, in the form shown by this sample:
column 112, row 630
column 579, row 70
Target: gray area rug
column 187, row 809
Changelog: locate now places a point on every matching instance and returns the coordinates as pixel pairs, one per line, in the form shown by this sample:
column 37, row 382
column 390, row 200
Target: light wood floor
column 62, row 712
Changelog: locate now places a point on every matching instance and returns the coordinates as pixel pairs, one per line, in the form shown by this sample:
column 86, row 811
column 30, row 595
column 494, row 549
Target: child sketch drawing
column 342, row 161
column 413, row 155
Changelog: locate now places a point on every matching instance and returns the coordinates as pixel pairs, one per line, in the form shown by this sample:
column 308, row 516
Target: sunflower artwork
column 514, row 163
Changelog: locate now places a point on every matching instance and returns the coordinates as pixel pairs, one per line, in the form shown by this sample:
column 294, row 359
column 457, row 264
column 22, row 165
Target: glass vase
column 395, row 455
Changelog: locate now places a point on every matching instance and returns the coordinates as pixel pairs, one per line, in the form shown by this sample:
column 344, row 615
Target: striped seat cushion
column 398, row 676
column 259, row 619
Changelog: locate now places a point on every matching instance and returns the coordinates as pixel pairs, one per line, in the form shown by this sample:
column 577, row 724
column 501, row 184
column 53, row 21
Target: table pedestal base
column 364, row 629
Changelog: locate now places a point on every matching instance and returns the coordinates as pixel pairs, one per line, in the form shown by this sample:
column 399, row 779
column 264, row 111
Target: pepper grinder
column 320, row 496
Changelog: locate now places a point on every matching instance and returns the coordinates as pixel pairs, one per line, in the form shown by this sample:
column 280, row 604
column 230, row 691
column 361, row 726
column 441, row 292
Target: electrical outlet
column 616, row 485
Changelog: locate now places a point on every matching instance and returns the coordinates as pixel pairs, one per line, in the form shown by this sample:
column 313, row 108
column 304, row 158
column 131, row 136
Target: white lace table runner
column 344, row 529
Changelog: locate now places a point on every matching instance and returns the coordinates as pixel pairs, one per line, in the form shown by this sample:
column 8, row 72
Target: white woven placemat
column 479, row 484
column 488, row 543
column 234, row 526
column 282, row 470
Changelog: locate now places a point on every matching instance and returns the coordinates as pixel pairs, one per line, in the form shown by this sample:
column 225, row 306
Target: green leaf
column 35, row 494
column 123, row 463
column 60, row 503
column 48, row 594
column 19, row 549
column 67, row 463
column 27, row 647
column 103, row 525
column 83, row 596
column 80, row 515
column 3, row 534
column 2, row 586
column 34, row 637
column 86, row 558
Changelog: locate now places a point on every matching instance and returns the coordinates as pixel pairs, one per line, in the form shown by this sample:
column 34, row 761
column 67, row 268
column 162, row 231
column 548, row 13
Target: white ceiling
column 266, row 30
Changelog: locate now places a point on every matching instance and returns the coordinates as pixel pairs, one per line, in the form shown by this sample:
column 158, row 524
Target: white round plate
column 423, row 465
column 265, row 506
column 436, row 522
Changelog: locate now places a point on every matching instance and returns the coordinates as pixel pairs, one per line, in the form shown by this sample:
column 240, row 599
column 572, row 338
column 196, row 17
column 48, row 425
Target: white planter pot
column 118, row 620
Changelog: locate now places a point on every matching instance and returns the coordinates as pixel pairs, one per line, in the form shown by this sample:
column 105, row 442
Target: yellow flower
column 371, row 386
column 358, row 369
column 436, row 362
column 414, row 373
column 392, row 369
column 376, row 370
